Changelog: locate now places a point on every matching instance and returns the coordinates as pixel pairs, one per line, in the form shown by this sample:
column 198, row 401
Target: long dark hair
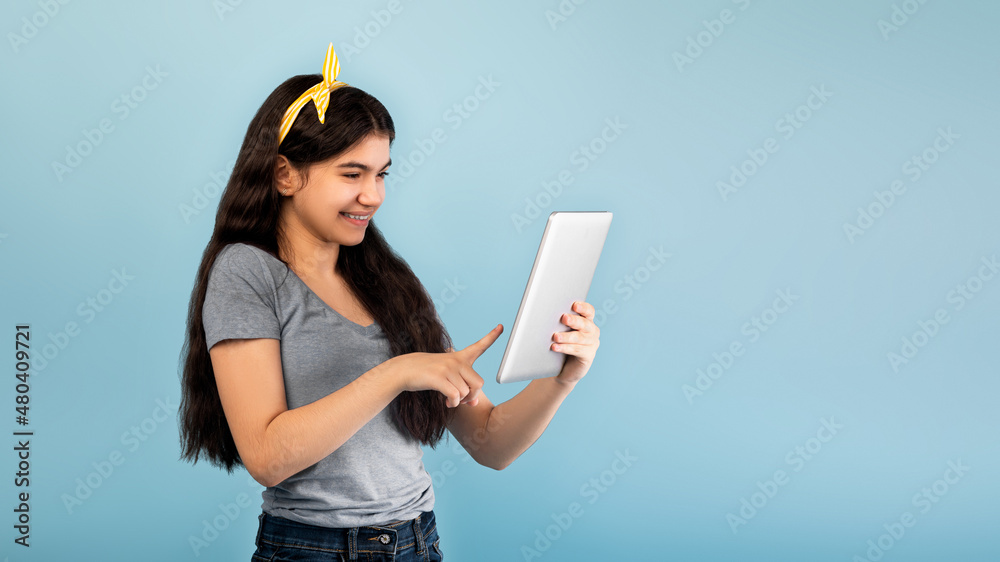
column 382, row 281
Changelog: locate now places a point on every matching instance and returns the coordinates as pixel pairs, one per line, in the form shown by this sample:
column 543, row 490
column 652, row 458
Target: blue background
column 142, row 202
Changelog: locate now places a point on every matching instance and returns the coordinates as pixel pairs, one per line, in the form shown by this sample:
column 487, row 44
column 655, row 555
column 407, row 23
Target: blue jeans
column 412, row 540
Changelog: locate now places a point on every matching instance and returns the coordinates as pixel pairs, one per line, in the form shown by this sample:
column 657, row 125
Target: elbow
column 268, row 481
column 265, row 472
column 267, row 464
column 485, row 455
column 265, row 481
column 261, row 477
column 495, row 464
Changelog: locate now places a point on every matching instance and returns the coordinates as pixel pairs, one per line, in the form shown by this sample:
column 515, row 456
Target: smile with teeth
column 356, row 217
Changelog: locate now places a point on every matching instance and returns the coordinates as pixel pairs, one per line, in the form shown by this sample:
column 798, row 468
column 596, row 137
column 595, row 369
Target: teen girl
column 314, row 356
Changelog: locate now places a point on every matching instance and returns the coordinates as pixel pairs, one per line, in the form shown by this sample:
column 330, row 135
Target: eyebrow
column 362, row 166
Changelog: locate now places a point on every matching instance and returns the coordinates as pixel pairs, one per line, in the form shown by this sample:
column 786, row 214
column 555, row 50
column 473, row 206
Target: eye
column 352, row 176
column 383, row 174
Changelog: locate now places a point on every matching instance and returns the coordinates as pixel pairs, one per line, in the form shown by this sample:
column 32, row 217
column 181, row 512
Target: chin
column 353, row 241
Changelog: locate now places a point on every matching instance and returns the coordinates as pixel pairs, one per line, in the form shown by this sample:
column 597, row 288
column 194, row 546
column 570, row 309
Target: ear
column 286, row 177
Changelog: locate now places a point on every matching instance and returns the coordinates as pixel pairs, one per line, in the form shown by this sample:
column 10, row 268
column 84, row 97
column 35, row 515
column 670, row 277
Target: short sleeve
column 240, row 302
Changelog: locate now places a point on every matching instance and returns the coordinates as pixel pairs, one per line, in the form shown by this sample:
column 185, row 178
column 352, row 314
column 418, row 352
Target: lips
column 365, row 215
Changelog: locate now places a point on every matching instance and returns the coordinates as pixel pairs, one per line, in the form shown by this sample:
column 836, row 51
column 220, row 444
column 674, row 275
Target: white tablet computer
column 563, row 269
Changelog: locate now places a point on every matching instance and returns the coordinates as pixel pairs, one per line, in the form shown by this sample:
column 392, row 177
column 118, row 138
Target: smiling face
column 315, row 208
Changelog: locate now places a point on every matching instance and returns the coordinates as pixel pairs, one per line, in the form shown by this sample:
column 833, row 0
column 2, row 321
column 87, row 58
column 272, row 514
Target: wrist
column 564, row 384
column 385, row 376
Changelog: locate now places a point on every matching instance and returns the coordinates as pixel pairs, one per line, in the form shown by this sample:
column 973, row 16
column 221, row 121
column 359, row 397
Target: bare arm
column 496, row 435
column 275, row 442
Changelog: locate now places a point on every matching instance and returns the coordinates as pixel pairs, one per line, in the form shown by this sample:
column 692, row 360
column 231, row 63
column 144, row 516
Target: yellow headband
column 319, row 94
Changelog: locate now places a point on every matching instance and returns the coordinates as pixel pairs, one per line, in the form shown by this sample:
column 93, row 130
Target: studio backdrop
column 798, row 298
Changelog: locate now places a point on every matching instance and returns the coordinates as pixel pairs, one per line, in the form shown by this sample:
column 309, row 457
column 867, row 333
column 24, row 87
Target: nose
column 372, row 192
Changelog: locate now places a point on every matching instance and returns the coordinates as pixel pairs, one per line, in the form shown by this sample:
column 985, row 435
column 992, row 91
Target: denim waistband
column 388, row 538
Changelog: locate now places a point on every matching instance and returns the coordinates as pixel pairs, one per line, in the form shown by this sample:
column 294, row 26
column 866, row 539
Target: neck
column 308, row 256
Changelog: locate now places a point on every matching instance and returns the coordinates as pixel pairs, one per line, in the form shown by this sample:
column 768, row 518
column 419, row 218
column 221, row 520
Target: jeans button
column 384, row 538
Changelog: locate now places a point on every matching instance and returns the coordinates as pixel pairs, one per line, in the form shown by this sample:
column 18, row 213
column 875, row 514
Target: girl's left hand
column 579, row 344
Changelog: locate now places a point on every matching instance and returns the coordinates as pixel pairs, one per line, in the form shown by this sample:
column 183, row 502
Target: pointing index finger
column 473, row 351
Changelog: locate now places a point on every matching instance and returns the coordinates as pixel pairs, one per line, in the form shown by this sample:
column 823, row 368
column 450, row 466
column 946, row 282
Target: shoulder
column 248, row 262
column 240, row 252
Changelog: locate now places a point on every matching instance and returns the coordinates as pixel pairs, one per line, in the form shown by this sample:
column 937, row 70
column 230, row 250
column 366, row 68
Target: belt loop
column 352, row 543
column 419, row 533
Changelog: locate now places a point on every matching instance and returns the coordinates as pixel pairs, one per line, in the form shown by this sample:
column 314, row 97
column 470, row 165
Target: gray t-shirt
column 378, row 475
